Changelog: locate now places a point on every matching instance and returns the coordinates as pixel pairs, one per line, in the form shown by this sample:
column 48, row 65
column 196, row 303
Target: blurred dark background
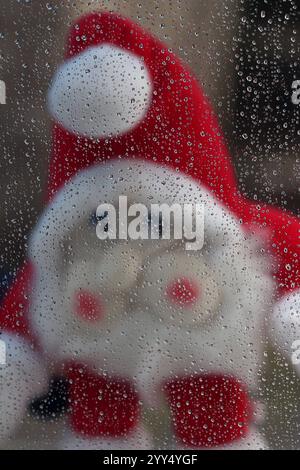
column 244, row 52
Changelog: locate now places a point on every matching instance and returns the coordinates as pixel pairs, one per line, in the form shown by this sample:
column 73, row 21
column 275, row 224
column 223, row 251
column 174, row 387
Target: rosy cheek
column 88, row 306
column 183, row 291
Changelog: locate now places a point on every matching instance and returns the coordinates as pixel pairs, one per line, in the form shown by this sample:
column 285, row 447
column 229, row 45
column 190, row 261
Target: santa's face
column 146, row 309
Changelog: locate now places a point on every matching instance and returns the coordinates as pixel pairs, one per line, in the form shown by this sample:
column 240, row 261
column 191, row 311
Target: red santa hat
column 176, row 128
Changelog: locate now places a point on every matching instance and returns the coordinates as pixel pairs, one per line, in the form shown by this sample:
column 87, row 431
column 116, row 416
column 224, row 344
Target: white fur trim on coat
column 22, row 377
column 285, row 327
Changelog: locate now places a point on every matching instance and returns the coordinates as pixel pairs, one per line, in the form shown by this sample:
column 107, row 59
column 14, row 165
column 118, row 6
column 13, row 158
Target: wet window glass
column 149, row 207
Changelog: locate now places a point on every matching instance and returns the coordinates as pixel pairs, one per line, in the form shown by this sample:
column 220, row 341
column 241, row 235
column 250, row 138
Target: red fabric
column 101, row 406
column 14, row 308
column 179, row 130
column 284, row 240
column 208, row 410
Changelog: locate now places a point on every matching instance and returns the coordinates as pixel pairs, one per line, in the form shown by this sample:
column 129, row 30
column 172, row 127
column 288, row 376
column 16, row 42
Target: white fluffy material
column 138, row 439
column 22, row 378
column 103, row 91
column 285, row 327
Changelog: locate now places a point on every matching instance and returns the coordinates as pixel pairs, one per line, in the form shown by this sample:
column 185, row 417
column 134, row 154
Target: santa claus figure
column 145, row 322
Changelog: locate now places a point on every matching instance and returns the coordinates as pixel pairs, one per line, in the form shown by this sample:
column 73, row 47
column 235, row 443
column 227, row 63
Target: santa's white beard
column 137, row 340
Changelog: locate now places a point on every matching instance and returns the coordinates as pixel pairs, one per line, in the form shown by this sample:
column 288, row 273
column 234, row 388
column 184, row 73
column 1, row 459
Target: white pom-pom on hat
column 103, row 91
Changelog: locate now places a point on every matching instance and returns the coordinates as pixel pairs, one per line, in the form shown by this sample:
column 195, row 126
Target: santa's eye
column 96, row 218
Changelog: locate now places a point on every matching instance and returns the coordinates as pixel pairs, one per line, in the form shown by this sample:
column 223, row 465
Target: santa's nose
column 183, row 291
column 119, row 268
